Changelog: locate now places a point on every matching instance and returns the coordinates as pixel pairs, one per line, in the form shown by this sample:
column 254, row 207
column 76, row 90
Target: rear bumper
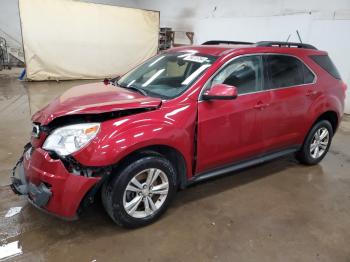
column 48, row 184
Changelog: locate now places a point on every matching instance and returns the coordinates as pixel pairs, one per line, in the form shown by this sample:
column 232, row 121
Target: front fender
column 175, row 130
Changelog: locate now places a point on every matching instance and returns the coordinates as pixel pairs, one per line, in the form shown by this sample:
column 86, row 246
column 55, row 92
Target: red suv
column 183, row 116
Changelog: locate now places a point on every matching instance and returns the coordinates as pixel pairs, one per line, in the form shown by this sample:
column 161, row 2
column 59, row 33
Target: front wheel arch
column 170, row 153
column 113, row 192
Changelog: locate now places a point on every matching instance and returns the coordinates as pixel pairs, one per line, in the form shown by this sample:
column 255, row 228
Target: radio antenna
column 288, row 38
column 299, row 37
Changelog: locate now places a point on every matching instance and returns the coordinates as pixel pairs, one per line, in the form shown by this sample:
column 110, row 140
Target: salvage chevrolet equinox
column 183, row 116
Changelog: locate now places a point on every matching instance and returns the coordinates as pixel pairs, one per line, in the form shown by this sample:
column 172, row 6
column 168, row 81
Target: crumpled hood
column 93, row 99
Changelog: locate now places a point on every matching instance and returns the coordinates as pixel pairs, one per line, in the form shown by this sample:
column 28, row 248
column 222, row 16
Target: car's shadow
column 231, row 180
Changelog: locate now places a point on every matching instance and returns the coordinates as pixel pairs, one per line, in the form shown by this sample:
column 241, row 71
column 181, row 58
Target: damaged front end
column 51, row 185
column 48, row 172
column 39, row 194
column 55, row 181
column 19, row 183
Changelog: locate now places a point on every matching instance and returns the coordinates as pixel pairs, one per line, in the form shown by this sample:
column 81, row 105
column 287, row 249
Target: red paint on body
column 227, row 130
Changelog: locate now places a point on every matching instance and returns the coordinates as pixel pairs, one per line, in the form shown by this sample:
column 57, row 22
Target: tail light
column 344, row 88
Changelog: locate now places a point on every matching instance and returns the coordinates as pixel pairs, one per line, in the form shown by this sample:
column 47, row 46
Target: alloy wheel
column 319, row 143
column 146, row 193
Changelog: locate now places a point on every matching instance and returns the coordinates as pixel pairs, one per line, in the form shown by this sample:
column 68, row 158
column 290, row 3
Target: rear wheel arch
column 330, row 116
column 318, row 138
column 325, row 107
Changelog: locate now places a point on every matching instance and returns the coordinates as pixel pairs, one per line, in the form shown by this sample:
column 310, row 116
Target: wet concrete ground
column 279, row 211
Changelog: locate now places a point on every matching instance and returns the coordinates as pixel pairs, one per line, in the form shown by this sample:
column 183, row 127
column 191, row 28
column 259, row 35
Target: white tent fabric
column 73, row 40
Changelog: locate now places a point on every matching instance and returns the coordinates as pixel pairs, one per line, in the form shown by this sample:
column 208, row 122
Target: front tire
column 140, row 192
column 316, row 144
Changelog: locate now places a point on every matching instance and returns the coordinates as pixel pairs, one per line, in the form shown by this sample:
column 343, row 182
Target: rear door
column 230, row 130
column 290, row 84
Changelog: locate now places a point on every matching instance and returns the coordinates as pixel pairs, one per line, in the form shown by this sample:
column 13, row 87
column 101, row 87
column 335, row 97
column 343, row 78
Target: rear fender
column 321, row 105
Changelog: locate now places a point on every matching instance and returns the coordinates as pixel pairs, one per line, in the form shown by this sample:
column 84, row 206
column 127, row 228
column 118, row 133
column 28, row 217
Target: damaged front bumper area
column 39, row 195
column 48, row 184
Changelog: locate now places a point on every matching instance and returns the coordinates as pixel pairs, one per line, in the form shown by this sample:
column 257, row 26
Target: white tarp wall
column 73, row 40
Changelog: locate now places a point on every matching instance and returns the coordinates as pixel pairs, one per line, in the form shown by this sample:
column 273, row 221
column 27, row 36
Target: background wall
column 332, row 35
column 323, row 23
column 10, row 29
column 9, row 20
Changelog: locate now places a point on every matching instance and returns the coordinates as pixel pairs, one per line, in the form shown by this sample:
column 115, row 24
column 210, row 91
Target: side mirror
column 220, row 92
column 112, row 81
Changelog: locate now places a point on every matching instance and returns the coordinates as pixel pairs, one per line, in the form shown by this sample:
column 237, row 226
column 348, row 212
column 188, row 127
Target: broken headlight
column 69, row 139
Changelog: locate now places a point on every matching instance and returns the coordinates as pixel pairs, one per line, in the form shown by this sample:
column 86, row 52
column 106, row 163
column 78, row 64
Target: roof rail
column 285, row 44
column 224, row 42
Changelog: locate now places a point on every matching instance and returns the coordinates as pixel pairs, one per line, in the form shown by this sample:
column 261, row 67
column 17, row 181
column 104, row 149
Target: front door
column 230, row 130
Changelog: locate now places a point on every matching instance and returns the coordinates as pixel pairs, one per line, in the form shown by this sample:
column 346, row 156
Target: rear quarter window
column 326, row 63
column 308, row 75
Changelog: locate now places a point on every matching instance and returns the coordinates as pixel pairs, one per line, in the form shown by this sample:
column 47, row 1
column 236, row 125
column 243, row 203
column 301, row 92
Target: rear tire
column 140, row 192
column 316, row 144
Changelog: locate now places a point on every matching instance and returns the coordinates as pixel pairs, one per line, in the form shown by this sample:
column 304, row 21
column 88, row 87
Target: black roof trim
column 224, row 42
column 285, row 44
column 261, row 43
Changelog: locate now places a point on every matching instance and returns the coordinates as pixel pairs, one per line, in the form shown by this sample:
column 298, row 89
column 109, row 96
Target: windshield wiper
column 139, row 90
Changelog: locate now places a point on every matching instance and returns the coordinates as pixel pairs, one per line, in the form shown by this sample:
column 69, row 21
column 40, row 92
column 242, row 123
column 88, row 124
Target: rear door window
column 284, row 71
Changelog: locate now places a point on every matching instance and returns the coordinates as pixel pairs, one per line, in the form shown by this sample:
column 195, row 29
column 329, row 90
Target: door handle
column 260, row 105
column 311, row 92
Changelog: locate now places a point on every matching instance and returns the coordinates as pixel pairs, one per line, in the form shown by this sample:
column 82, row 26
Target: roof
column 214, row 50
column 219, row 50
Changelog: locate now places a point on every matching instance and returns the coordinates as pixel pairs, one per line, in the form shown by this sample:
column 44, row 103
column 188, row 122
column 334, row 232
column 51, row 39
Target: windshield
column 167, row 75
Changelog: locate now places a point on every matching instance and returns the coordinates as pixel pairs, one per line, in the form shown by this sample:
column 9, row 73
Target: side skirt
column 241, row 165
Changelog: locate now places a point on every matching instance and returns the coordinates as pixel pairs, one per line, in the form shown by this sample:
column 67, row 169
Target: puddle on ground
column 13, row 211
column 10, row 250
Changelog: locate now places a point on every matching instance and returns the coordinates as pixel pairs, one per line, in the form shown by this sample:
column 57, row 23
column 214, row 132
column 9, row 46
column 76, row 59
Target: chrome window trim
column 263, row 90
